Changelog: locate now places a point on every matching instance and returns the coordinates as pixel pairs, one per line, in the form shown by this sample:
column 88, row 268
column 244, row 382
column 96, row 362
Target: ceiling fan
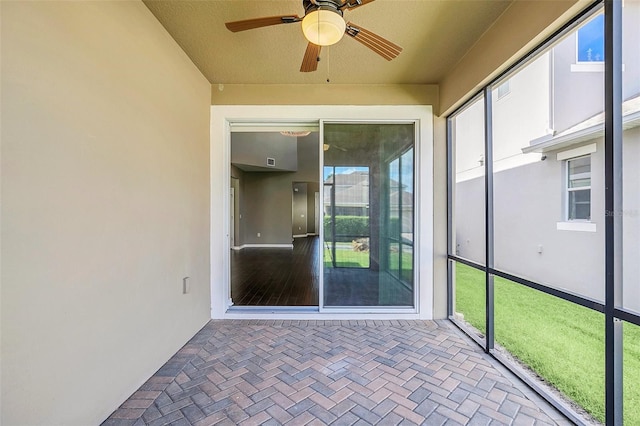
column 323, row 24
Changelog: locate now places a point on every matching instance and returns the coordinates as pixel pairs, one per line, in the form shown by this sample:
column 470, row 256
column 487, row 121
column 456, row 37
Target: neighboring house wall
column 520, row 115
column 578, row 91
column 105, row 206
column 577, row 94
column 469, row 216
column 351, row 194
column 528, row 205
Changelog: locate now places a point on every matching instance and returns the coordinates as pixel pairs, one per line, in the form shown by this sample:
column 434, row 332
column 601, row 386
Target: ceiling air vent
column 271, row 162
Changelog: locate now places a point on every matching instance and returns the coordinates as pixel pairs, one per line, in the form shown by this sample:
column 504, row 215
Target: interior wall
column 251, row 151
column 235, row 185
column 268, row 197
column 312, row 189
column 105, row 206
column 299, row 209
column 267, row 210
column 238, row 225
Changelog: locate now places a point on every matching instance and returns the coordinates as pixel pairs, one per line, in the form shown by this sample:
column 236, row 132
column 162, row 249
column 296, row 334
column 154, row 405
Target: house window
column 579, row 188
column 504, row 89
column 590, row 41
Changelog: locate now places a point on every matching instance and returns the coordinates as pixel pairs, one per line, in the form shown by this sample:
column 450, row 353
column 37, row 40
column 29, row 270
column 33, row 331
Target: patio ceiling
column 435, row 35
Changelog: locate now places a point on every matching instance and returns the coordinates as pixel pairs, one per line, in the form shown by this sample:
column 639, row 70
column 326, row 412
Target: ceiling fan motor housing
column 323, row 24
column 311, row 5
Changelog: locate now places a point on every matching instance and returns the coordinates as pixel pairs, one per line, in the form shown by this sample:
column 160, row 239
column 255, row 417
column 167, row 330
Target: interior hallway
column 250, row 372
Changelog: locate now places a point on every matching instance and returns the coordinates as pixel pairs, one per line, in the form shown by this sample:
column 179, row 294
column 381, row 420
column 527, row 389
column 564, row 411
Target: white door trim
column 221, row 118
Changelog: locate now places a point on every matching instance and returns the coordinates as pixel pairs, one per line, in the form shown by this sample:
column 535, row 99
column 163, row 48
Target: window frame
column 504, row 89
column 568, row 189
column 582, row 27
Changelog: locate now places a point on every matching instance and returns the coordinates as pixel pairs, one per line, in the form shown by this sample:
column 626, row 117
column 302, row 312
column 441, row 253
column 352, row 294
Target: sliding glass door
column 368, row 205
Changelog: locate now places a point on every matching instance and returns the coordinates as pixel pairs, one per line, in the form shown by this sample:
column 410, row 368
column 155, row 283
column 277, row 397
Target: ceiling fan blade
column 310, row 60
column 373, row 41
column 352, row 4
column 249, row 24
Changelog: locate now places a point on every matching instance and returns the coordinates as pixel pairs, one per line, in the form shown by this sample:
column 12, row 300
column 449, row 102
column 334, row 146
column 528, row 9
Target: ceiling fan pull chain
column 328, row 63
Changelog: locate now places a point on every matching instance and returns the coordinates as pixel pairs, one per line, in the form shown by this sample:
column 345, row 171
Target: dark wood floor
column 290, row 277
column 276, row 276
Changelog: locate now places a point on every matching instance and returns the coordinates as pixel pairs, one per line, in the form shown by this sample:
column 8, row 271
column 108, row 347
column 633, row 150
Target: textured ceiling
column 435, row 35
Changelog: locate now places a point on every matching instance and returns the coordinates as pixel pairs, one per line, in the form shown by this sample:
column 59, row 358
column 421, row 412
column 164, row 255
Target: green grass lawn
column 560, row 341
column 348, row 258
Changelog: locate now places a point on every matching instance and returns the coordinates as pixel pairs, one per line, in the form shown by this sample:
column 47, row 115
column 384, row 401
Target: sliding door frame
column 223, row 117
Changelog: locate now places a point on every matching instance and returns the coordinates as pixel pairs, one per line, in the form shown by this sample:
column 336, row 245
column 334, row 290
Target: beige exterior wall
column 105, row 206
column 440, row 218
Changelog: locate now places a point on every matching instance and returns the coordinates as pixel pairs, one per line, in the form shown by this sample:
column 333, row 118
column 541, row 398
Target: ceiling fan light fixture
column 323, row 27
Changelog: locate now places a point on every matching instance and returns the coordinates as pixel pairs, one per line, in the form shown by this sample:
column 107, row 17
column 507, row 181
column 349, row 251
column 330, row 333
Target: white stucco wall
column 529, row 204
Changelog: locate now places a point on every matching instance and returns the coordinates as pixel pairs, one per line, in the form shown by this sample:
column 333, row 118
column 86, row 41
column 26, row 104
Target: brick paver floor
column 249, row 372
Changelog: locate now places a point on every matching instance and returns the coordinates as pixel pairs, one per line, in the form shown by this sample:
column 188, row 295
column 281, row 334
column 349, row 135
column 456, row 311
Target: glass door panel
column 368, row 206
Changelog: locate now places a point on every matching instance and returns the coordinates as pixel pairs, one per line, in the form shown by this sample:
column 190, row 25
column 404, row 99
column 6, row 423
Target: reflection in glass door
column 346, row 216
column 368, row 206
column 400, row 224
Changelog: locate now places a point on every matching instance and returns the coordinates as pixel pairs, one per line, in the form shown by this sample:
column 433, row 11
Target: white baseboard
column 262, row 246
column 308, row 234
